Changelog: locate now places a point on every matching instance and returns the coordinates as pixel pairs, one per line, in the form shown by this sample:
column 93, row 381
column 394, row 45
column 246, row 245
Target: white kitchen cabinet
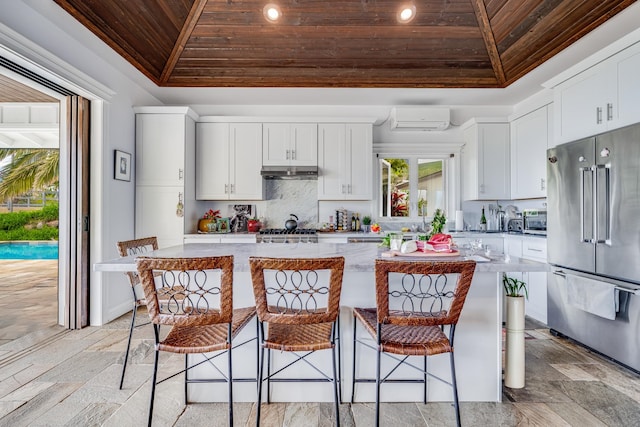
column 160, row 149
column 529, row 138
column 228, row 161
column 294, row 144
column 599, row 99
column 165, row 139
column 535, row 249
column 344, row 161
column 156, row 214
column 485, row 161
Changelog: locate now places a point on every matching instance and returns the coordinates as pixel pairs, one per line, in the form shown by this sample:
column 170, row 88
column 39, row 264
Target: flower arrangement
column 211, row 214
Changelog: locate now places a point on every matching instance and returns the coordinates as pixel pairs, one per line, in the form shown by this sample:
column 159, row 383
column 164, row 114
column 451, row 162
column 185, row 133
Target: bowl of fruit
column 375, row 228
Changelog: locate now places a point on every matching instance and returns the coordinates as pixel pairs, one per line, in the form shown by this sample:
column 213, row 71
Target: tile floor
column 53, row 377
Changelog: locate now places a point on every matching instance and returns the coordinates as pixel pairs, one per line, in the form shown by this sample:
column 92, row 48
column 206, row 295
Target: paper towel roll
column 459, row 221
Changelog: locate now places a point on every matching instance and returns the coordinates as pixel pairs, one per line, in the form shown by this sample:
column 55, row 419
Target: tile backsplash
column 285, row 197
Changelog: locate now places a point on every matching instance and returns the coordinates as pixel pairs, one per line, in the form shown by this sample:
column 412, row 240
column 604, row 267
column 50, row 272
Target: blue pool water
column 29, row 250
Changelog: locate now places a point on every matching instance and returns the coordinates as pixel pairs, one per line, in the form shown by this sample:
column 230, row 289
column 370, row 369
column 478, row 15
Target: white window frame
column 451, row 190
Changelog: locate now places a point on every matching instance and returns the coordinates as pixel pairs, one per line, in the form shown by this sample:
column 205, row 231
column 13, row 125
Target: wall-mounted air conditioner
column 420, row 118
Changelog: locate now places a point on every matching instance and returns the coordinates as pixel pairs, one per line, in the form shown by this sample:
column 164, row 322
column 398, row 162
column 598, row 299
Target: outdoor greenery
column 28, row 170
column 30, row 225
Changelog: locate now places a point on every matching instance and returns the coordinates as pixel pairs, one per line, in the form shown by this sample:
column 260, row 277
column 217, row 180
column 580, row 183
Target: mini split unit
column 420, row 118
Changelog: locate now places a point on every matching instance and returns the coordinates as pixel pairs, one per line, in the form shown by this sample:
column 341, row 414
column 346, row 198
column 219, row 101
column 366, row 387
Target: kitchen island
column 478, row 335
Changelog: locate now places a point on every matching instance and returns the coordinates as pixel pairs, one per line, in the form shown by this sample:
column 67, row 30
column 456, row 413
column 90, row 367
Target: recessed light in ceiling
column 272, row 12
column 406, row 13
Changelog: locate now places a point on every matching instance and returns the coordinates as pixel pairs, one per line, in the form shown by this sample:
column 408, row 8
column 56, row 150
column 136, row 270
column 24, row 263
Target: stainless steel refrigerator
column 593, row 237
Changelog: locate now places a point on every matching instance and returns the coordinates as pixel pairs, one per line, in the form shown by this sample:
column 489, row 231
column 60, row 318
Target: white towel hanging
column 592, row 296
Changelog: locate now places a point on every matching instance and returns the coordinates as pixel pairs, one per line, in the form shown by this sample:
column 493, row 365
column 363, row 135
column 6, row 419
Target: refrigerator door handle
column 607, row 204
column 582, row 201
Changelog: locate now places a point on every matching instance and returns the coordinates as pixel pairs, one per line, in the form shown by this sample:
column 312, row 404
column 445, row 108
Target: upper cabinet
column 160, row 149
column 294, row 144
column 485, row 161
column 599, row 99
column 165, row 139
column 228, row 161
column 344, row 161
column 529, row 141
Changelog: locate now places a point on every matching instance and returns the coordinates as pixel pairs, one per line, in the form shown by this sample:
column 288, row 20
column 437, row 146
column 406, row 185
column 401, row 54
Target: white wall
column 45, row 38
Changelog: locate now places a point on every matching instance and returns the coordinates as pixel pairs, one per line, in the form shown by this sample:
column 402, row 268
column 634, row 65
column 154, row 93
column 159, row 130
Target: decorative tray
column 420, row 254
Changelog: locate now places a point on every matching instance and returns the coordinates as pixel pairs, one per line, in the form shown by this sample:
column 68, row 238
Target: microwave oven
column 534, row 222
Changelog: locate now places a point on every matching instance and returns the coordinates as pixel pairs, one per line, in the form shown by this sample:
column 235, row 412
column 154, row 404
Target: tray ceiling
column 340, row 43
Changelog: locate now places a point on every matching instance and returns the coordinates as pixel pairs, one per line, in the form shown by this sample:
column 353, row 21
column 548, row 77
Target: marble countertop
column 358, row 256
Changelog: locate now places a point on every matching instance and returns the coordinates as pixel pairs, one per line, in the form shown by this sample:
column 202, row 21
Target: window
column 411, row 186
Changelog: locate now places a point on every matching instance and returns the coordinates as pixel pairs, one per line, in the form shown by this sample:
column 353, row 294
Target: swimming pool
column 28, row 250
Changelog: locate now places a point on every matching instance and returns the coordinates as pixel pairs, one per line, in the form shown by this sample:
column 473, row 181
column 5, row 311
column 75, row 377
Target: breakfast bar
column 478, row 335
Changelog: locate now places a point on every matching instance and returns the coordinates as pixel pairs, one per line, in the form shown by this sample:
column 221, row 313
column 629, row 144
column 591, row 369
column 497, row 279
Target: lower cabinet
column 534, row 249
column 156, row 214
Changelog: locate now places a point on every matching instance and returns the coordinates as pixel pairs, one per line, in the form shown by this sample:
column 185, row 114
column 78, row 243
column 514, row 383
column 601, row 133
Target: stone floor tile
column 538, row 414
column 536, row 391
column 271, row 414
column 575, row 414
column 298, row 413
column 327, row 415
column 607, row 404
column 576, row 372
column 40, row 404
column 616, row 377
column 80, row 367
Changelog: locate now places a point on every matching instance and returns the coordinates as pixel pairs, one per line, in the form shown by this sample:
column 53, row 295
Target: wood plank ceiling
column 13, row 91
column 340, row 43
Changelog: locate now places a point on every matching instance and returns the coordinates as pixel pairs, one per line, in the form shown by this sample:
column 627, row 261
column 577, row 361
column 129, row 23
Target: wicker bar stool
column 190, row 296
column 298, row 300
column 415, row 301
column 128, row 248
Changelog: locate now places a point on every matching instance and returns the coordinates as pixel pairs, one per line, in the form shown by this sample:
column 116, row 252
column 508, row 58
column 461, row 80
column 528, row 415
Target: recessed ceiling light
column 272, row 12
column 407, row 13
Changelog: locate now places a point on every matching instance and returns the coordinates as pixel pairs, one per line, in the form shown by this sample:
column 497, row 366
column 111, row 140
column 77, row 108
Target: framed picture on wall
column 122, row 169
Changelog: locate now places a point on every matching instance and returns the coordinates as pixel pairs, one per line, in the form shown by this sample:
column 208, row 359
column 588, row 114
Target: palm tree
column 29, row 169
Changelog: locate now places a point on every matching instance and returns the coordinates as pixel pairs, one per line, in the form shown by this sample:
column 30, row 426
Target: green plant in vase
column 514, row 287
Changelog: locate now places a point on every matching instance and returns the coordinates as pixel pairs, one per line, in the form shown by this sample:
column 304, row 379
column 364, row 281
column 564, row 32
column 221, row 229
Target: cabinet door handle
column 287, row 155
column 598, row 115
column 180, row 174
column 226, row 188
column 533, row 249
column 349, row 188
column 293, row 154
column 609, row 111
column 481, row 188
column 542, row 183
column 343, row 189
column 232, row 189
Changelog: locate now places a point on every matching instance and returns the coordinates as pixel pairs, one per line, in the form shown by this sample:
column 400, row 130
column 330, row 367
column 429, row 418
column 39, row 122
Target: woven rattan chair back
column 421, row 293
column 136, row 247
column 188, row 291
column 297, row 290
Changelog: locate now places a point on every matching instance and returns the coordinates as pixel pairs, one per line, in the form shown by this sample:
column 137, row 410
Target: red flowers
column 211, row 214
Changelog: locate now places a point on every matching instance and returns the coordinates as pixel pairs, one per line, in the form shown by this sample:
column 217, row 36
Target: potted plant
column 366, row 221
column 207, row 223
column 437, row 223
column 514, row 360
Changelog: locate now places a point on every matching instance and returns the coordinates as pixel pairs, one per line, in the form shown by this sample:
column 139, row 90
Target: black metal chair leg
column 155, row 374
column 353, row 368
column 335, row 388
column 339, row 379
column 424, row 396
column 456, row 404
column 126, row 354
column 378, row 389
column 230, row 378
column 268, row 375
column 186, row 378
column 259, row 402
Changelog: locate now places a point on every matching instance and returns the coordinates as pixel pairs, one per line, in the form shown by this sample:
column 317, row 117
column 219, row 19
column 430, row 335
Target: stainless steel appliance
column 593, row 238
column 534, row 222
column 283, row 235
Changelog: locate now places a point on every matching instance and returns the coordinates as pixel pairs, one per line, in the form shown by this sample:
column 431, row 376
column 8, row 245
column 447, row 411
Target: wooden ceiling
column 13, row 91
column 340, row 43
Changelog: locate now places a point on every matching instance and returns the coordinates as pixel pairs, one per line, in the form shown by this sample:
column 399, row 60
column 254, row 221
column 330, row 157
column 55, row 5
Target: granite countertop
column 359, row 257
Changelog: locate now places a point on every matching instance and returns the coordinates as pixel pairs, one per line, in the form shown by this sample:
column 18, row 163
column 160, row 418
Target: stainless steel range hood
column 289, row 172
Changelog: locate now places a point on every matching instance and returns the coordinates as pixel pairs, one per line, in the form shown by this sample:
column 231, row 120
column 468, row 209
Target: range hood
column 289, row 172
